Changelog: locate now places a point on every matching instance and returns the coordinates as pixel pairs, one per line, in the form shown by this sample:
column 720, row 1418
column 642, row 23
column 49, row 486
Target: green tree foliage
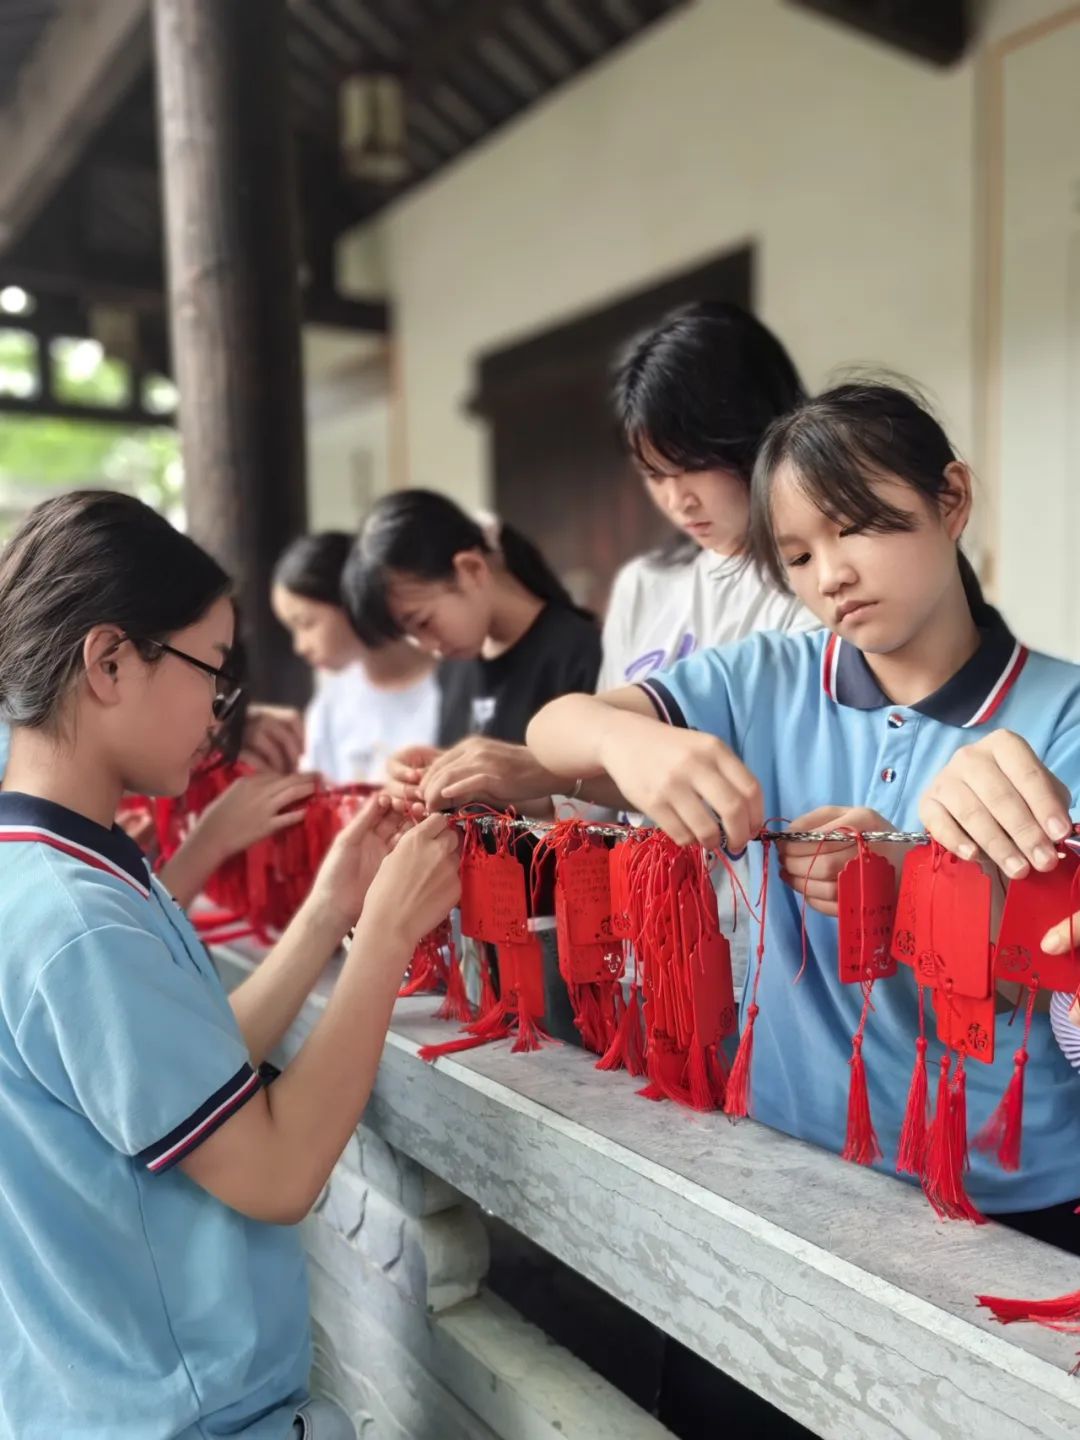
column 39, row 455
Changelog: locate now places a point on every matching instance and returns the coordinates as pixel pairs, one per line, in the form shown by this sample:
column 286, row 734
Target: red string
column 737, row 1098
column 1003, row 1132
column 861, row 1142
column 911, row 1153
column 802, row 909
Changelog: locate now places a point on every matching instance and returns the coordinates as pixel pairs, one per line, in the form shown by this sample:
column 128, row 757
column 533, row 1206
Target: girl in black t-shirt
column 486, row 604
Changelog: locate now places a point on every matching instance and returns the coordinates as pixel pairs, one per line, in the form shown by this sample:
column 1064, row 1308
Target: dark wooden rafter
column 520, row 71
column 558, row 58
column 85, row 61
column 934, row 30
column 21, row 26
column 589, row 26
column 367, row 24
column 91, row 224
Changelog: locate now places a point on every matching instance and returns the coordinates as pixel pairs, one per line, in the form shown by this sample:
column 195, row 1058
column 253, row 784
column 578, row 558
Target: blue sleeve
column 1062, row 757
column 716, row 690
column 141, row 1046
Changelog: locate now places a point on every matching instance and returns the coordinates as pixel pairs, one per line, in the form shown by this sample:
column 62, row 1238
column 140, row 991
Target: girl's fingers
column 823, row 861
column 716, row 803
column 1062, row 938
column 1043, row 795
column 961, row 805
column 666, row 818
column 698, row 819
column 283, row 822
column 945, row 830
column 813, row 889
column 824, row 907
column 290, row 791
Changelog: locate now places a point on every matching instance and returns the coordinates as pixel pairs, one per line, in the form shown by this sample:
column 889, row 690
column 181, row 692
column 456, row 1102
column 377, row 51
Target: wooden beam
column 49, row 407
column 934, row 30
column 341, row 313
column 96, row 284
column 87, row 59
column 233, row 258
column 131, row 286
column 466, row 24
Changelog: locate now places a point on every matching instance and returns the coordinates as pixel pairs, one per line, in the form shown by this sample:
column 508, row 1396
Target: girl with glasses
column 149, row 1280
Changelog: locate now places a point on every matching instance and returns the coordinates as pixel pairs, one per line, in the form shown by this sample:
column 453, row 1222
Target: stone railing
column 828, row 1289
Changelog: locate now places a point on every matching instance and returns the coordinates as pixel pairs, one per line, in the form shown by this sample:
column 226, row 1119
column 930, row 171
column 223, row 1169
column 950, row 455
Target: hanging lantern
column 373, row 126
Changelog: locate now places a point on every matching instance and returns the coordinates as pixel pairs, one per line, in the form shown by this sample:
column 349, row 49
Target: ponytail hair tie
column 490, row 527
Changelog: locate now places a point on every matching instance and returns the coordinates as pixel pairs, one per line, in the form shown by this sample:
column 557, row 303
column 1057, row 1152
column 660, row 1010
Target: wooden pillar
column 230, row 203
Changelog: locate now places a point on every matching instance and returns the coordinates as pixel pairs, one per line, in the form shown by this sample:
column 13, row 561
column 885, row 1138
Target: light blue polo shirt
column 133, row 1305
column 806, row 715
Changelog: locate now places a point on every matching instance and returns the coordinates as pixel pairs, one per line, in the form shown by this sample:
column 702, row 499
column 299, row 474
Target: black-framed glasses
column 227, row 689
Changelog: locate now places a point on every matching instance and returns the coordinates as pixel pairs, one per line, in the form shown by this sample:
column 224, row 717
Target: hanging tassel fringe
column 911, row 1154
column 627, row 1048
column 456, row 1005
column 737, row 1099
column 1003, row 1132
column 861, row 1142
column 946, row 1150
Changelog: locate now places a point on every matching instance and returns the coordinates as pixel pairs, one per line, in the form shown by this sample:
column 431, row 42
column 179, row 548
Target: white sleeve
column 1066, row 1033
column 797, row 619
column 616, row 637
column 319, row 753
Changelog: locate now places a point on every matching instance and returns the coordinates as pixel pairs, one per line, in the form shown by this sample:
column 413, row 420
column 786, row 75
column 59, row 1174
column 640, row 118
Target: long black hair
column 417, row 533
column 699, row 391
column 311, row 566
column 837, row 444
column 83, row 559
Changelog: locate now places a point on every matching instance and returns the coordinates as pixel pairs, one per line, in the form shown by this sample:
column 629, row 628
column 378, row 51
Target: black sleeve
column 585, row 670
column 457, row 685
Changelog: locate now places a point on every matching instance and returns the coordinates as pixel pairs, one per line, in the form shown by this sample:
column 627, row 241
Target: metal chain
column 640, row 832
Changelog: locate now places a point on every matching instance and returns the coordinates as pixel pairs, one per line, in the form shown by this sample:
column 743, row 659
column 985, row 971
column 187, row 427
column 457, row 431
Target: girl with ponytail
column 480, row 598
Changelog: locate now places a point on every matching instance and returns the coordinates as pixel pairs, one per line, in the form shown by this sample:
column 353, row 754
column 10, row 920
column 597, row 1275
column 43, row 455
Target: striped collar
column 970, row 698
column 26, row 819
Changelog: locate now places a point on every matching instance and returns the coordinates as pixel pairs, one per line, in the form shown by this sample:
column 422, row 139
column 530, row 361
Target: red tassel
column 911, row 1155
column 488, row 998
column 588, row 1017
column 667, row 1066
column 1063, row 1310
column 946, row 1150
column 426, row 975
column 700, row 1081
column 493, row 1024
column 736, row 1100
column 718, row 1076
column 737, row 1097
column 431, row 1053
column 861, row 1143
column 1061, row 1314
column 530, row 1035
column 626, row 1051
column 456, row 1005
column 1003, row 1132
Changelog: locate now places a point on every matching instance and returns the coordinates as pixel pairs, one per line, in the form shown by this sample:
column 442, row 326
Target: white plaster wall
column 850, row 166
column 348, row 449
column 854, row 169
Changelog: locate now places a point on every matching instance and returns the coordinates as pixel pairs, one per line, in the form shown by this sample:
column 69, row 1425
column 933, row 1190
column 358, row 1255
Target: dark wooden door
column 560, row 473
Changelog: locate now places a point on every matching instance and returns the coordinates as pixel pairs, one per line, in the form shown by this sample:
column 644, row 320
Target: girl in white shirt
column 369, row 702
column 693, row 398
